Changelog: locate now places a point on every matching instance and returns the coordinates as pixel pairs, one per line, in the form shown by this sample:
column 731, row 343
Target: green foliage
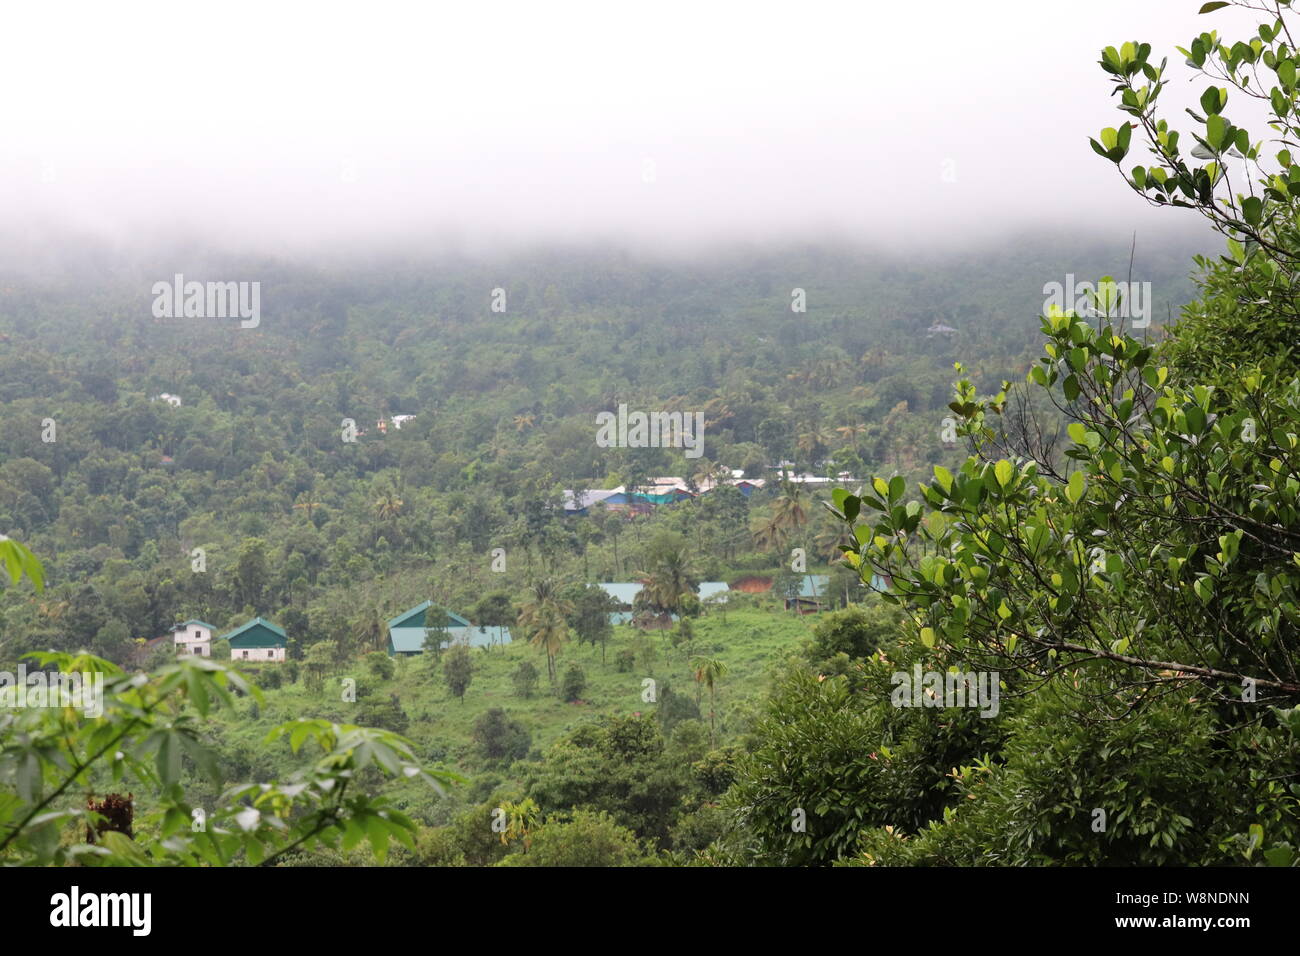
column 618, row 765
column 573, row 683
column 500, row 739
column 141, row 734
column 380, row 665
column 587, row 839
column 458, row 670
column 525, row 679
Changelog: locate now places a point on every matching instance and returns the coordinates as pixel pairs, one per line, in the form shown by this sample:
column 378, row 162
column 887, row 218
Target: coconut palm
column 667, row 577
column 708, row 671
column 789, row 510
column 388, row 506
column 544, row 620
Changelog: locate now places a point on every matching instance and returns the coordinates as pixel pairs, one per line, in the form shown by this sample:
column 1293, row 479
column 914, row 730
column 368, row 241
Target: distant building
column 408, row 631
column 624, row 593
column 939, row 329
column 400, row 420
column 716, row 590
column 169, row 398
column 258, row 640
column 812, row 595
column 193, row 637
column 580, row 504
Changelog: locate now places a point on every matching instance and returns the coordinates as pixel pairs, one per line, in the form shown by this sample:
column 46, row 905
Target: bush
column 588, row 839
column 380, row 665
column 498, row 738
column 573, row 683
column 525, row 679
column 625, row 660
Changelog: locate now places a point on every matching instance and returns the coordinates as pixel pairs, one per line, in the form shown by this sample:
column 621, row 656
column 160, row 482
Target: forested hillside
column 298, row 525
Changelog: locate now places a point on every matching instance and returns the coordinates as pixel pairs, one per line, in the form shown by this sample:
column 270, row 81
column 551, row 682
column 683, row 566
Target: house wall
column 193, row 640
column 276, row 654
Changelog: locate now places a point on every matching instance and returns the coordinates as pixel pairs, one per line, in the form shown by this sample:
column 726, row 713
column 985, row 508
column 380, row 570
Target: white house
column 193, row 637
column 170, row 399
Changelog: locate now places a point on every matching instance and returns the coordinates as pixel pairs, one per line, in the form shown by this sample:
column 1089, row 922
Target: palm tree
column 544, row 619
column 768, row 535
column 522, row 422
column 708, row 671
column 851, row 434
column 667, row 577
column 309, row 501
column 521, row 820
column 388, row 506
column 810, row 441
column 371, row 630
column 788, row 510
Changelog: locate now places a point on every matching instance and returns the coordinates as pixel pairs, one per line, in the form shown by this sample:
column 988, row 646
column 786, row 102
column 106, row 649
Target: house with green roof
column 407, row 631
column 193, row 637
column 258, row 640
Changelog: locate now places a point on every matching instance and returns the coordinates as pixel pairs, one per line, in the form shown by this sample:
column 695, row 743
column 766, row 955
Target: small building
column 193, row 637
column 170, row 399
column 472, row 636
column 812, row 594
column 579, row 503
column 258, row 640
column 713, row 591
column 624, row 592
column 408, row 631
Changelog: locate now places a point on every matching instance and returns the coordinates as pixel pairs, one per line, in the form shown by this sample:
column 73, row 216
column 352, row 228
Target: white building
column 193, row 637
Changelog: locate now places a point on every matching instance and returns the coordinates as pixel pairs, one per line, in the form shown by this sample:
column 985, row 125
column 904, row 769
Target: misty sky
column 274, row 126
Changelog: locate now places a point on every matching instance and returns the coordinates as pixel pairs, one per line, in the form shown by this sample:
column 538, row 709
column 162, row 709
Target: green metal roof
column 416, row 617
column 257, row 633
column 177, row 627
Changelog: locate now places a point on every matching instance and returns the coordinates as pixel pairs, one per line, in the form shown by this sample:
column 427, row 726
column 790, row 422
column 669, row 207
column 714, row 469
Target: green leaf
column 1075, row 488
column 1252, row 210
column 1004, row 471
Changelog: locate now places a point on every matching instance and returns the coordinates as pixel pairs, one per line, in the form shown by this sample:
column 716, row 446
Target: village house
column 258, row 640
column 193, row 637
column 407, row 632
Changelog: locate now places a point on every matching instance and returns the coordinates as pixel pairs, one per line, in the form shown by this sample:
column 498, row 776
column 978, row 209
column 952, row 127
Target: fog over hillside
column 671, row 127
